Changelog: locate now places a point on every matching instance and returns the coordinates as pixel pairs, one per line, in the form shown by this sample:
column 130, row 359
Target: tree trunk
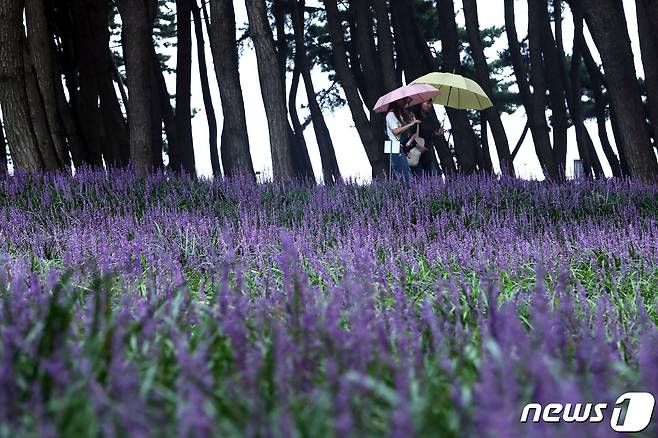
column 3, row 151
column 38, row 114
column 43, row 59
column 300, row 158
column 646, row 11
column 492, row 115
column 13, row 97
column 466, row 144
column 555, row 79
column 536, row 117
column 272, row 92
column 136, row 33
column 184, row 141
column 596, row 80
column 236, row 156
column 385, row 42
column 576, row 106
column 330, row 171
column 205, row 90
column 374, row 149
column 607, row 23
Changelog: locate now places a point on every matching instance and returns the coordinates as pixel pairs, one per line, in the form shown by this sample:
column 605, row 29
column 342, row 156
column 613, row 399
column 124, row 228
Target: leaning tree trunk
column 492, row 115
column 596, row 81
column 385, row 42
column 205, row 90
column 236, row 157
column 272, row 92
column 13, row 97
column 330, row 170
column 300, row 157
column 184, row 141
column 45, row 67
column 136, row 33
column 607, row 24
column 555, row 79
column 467, row 147
column 649, row 48
column 374, row 149
column 538, row 129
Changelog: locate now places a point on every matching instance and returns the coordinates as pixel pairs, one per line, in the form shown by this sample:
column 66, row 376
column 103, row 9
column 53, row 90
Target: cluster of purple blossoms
column 186, row 307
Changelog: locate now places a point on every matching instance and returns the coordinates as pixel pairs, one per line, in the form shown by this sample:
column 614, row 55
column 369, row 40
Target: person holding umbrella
column 430, row 131
column 394, row 104
column 396, row 125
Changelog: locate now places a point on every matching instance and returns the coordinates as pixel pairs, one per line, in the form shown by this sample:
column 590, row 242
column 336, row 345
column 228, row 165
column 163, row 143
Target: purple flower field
column 180, row 307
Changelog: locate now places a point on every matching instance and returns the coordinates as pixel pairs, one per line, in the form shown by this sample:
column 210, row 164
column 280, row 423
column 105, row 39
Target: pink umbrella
column 416, row 92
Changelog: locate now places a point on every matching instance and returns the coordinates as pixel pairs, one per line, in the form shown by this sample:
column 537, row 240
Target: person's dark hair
column 418, row 112
column 398, row 109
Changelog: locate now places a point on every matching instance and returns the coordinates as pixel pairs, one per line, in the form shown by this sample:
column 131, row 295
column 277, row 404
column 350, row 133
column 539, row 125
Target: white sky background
column 350, row 153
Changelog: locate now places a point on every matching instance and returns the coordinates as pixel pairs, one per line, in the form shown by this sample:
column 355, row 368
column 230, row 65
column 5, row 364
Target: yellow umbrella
column 456, row 91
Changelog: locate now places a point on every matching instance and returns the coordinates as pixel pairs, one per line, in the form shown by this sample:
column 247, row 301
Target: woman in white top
column 396, row 125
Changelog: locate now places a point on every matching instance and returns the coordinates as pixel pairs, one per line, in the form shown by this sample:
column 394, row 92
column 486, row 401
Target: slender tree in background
column 647, row 20
column 600, row 103
column 607, row 24
column 374, row 149
column 385, row 46
column 184, row 141
column 3, row 150
column 274, row 98
column 236, row 158
column 205, row 90
column 534, row 105
column 299, row 152
column 492, row 115
column 468, row 151
column 330, row 171
column 136, row 34
column 13, row 97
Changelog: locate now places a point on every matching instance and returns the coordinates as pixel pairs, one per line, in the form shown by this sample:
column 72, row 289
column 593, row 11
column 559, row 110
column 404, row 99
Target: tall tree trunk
column 136, row 33
column 3, row 151
column 236, row 157
column 330, row 171
column 576, row 106
column 607, row 23
column 272, row 92
column 183, row 85
column 596, row 80
column 374, row 149
column 43, row 59
column 13, row 97
column 300, row 157
column 466, row 144
column 385, row 42
column 647, row 11
column 205, row 90
column 555, row 79
column 537, row 117
column 492, row 115
column 38, row 114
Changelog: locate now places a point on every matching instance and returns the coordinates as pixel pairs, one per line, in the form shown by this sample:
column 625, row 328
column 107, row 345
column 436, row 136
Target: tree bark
column 236, row 157
column 492, row 115
column 13, row 97
column 183, row 116
column 385, row 42
column 536, row 114
column 555, row 79
column 607, row 23
column 467, row 147
column 136, row 33
column 43, row 59
column 330, row 170
column 3, row 151
column 596, row 80
column 272, row 92
column 205, row 90
column 38, row 114
column 646, row 12
column 374, row 149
